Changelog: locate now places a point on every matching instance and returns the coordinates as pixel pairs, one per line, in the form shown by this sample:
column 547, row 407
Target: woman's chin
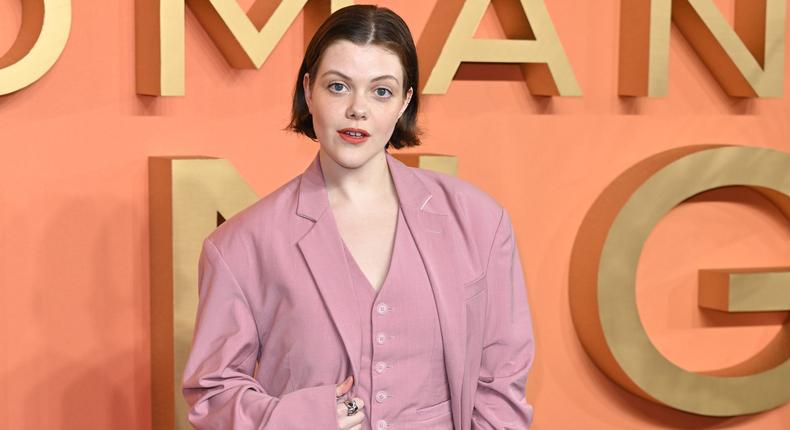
column 351, row 155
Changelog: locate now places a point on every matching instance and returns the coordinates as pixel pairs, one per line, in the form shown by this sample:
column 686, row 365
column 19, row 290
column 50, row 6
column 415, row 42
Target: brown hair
column 361, row 25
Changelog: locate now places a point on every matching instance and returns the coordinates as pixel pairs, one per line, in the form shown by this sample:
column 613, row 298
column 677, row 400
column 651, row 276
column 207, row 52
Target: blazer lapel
column 436, row 242
column 438, row 246
column 322, row 248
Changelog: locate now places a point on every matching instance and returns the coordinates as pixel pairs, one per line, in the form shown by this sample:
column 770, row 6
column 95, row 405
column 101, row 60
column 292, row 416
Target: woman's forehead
column 360, row 62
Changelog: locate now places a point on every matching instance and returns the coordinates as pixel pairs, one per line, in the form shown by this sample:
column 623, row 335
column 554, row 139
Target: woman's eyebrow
column 382, row 77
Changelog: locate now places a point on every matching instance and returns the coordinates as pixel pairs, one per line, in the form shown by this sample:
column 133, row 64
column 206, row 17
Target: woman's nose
column 358, row 108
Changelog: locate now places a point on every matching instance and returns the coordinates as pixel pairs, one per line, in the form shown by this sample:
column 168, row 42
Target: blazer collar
column 439, row 246
column 313, row 198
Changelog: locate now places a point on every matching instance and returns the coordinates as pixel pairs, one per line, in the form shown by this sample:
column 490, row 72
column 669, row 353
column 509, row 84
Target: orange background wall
column 74, row 342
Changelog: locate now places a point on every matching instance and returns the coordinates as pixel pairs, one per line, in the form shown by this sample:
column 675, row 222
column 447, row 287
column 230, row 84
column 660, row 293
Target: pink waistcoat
column 402, row 372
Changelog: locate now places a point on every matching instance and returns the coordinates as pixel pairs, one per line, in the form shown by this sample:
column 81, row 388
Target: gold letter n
column 747, row 60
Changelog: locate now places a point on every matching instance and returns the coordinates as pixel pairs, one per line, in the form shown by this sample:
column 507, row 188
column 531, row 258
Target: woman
column 363, row 293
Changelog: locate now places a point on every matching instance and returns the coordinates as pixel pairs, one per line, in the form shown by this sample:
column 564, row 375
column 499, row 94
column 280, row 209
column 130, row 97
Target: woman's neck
column 368, row 185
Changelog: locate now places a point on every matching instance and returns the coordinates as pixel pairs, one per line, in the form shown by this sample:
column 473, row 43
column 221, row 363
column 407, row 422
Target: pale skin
column 362, row 87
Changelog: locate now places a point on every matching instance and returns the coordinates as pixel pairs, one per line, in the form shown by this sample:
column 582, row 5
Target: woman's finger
column 344, row 386
column 348, row 422
column 345, row 421
column 342, row 409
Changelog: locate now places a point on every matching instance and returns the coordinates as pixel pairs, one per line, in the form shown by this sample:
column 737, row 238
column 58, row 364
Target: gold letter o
column 45, row 29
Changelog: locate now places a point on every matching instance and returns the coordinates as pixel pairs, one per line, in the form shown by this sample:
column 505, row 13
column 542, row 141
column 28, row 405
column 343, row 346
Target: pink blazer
column 272, row 297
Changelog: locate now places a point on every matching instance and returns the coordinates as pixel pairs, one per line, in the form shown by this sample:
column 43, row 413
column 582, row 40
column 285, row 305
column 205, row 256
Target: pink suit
column 274, row 291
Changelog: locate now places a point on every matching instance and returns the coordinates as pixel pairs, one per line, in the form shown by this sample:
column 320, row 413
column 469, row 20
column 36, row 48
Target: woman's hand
column 344, row 421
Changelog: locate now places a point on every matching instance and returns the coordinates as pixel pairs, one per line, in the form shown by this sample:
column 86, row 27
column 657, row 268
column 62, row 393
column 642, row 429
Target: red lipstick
column 354, row 135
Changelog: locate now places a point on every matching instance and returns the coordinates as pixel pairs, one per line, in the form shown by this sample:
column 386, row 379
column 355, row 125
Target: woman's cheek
column 320, row 123
column 390, row 119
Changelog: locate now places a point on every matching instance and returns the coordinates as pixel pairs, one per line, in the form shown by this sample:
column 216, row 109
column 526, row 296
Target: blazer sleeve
column 217, row 382
column 508, row 346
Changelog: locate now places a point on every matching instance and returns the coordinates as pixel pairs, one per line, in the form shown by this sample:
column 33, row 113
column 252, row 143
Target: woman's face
column 355, row 98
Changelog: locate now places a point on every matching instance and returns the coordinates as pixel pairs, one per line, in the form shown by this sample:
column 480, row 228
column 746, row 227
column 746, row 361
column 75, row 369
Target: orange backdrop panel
column 74, row 344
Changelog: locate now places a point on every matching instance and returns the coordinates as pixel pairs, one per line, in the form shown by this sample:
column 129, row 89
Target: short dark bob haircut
column 362, row 25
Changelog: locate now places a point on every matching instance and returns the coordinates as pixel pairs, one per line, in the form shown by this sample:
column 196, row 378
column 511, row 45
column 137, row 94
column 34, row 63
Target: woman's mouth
column 353, row 135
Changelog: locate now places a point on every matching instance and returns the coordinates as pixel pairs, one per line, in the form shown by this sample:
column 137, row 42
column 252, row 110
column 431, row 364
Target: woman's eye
column 336, row 87
column 383, row 92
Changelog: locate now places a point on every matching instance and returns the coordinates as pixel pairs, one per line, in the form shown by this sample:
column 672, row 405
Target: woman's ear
column 308, row 95
column 406, row 102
